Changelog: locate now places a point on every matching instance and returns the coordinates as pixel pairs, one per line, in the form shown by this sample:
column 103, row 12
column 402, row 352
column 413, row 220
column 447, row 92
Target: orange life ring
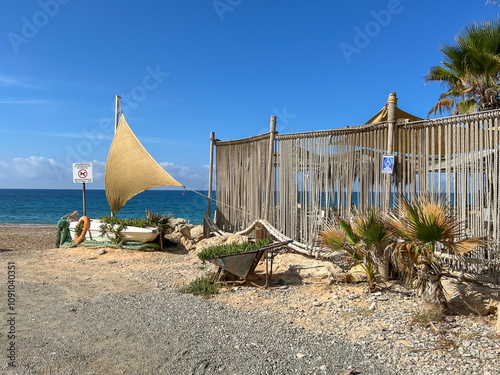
column 86, row 225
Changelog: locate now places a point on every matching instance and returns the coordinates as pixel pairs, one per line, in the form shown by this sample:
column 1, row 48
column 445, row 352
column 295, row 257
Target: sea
column 47, row 206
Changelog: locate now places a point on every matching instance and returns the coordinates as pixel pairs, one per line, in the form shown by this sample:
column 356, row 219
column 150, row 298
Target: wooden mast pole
column 117, row 115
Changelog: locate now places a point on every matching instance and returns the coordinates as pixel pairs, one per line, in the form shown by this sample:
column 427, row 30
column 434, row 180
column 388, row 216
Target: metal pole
column 84, row 201
column 392, row 103
column 210, row 177
column 270, row 167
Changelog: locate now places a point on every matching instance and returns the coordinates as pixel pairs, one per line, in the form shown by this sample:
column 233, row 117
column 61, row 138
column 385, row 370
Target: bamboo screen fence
column 317, row 175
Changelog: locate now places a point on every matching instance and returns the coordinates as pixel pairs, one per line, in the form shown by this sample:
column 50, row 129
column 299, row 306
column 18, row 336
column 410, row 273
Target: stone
column 357, row 274
column 209, row 242
column 175, row 222
column 174, row 237
column 309, row 267
column 102, row 251
column 236, row 239
column 468, row 298
column 197, row 231
column 186, row 244
column 185, row 230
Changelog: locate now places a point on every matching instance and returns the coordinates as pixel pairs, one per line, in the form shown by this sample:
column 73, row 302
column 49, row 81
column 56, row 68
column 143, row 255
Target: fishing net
column 129, row 245
column 62, row 232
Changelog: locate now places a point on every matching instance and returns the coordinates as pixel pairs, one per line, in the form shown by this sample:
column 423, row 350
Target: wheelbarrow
column 243, row 264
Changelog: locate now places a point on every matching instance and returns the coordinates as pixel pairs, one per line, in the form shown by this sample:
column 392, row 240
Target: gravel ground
column 120, row 313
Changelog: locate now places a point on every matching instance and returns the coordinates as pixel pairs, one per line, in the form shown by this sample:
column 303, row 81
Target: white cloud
column 41, row 172
column 32, row 172
column 25, row 101
column 11, row 81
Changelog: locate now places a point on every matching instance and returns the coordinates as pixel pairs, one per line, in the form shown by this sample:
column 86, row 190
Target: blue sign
column 387, row 164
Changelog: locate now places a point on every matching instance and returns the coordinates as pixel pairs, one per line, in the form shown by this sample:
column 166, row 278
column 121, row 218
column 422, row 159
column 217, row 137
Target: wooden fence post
column 206, row 230
column 392, row 103
column 382, row 262
column 270, row 167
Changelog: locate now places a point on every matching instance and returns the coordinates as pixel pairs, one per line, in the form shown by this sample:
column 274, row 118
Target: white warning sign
column 82, row 173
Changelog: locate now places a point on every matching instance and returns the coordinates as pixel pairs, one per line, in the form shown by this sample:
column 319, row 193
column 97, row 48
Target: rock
column 196, row 232
column 174, row 237
column 309, row 267
column 186, row 244
column 467, row 298
column 175, row 222
column 498, row 321
column 357, row 274
column 185, row 230
column 209, row 242
column 236, row 239
column 300, row 355
column 102, row 251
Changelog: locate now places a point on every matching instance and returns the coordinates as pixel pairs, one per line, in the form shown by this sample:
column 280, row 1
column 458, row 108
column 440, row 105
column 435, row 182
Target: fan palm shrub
column 424, row 225
column 365, row 239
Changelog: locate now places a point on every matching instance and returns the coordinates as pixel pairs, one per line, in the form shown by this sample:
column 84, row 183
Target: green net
column 129, row 245
column 62, row 232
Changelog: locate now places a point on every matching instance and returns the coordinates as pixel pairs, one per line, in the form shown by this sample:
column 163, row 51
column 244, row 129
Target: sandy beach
column 78, row 312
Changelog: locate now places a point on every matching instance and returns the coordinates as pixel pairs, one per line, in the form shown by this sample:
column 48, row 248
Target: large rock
column 174, row 237
column 468, row 298
column 185, row 230
column 197, row 233
column 186, row 244
column 357, row 274
column 236, row 239
column 306, row 267
column 209, row 242
column 175, row 222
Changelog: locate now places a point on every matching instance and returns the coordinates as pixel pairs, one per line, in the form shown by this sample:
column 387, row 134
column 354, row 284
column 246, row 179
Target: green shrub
column 201, row 286
column 219, row 250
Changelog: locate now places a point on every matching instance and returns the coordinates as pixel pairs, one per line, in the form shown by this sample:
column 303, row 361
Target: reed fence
column 298, row 182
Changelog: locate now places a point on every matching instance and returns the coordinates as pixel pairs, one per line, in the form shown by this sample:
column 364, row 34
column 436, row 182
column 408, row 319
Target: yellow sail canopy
column 383, row 114
column 130, row 169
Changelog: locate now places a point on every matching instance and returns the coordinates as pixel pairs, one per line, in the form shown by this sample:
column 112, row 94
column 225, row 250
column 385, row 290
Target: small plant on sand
column 430, row 313
column 201, row 286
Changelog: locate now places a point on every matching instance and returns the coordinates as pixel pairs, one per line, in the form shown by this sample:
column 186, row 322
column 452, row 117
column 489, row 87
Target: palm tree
column 422, row 224
column 470, row 70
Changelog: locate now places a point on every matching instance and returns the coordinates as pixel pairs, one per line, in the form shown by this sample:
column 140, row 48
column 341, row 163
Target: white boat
column 129, row 233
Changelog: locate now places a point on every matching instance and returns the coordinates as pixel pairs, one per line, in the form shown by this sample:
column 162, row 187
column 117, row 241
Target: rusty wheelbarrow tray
column 243, row 264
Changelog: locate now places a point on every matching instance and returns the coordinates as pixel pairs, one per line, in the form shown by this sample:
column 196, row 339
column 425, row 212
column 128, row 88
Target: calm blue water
column 37, row 206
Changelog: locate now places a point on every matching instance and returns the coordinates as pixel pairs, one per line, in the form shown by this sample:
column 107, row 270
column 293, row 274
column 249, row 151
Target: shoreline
column 28, row 225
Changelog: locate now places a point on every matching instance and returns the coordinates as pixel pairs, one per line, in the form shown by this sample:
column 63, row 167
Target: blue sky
column 187, row 68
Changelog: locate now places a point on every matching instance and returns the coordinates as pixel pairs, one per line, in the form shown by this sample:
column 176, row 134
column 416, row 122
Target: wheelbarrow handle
column 279, row 244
